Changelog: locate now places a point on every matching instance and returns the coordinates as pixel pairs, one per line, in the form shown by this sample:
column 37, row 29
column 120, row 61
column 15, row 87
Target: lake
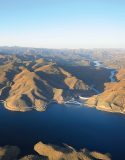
column 81, row 127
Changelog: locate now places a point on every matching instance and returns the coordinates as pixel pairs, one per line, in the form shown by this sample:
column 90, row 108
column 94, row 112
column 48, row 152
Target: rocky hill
column 28, row 83
column 113, row 98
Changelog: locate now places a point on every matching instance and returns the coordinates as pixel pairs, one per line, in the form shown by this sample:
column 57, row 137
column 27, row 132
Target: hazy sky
column 63, row 23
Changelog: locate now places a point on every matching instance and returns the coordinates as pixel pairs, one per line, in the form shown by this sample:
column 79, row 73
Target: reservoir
column 80, row 127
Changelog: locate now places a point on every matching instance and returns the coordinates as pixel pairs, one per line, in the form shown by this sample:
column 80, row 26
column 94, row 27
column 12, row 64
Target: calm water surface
column 77, row 126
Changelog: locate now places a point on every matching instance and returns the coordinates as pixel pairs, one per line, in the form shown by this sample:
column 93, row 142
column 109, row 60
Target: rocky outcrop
column 58, row 97
column 74, row 83
column 53, row 152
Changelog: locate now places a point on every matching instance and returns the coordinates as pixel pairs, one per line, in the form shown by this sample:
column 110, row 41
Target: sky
column 62, row 23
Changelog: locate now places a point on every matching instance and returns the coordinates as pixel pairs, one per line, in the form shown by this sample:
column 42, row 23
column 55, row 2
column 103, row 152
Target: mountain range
column 33, row 78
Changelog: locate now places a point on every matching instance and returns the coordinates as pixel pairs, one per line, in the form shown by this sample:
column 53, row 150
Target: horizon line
column 16, row 46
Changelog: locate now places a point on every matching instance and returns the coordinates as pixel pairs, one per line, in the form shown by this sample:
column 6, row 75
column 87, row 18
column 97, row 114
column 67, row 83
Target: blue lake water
column 81, row 127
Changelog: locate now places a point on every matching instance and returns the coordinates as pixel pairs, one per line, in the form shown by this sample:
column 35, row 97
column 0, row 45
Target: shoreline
column 104, row 110
column 83, row 104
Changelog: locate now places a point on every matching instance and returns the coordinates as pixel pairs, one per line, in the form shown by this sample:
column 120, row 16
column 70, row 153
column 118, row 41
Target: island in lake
column 51, row 152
